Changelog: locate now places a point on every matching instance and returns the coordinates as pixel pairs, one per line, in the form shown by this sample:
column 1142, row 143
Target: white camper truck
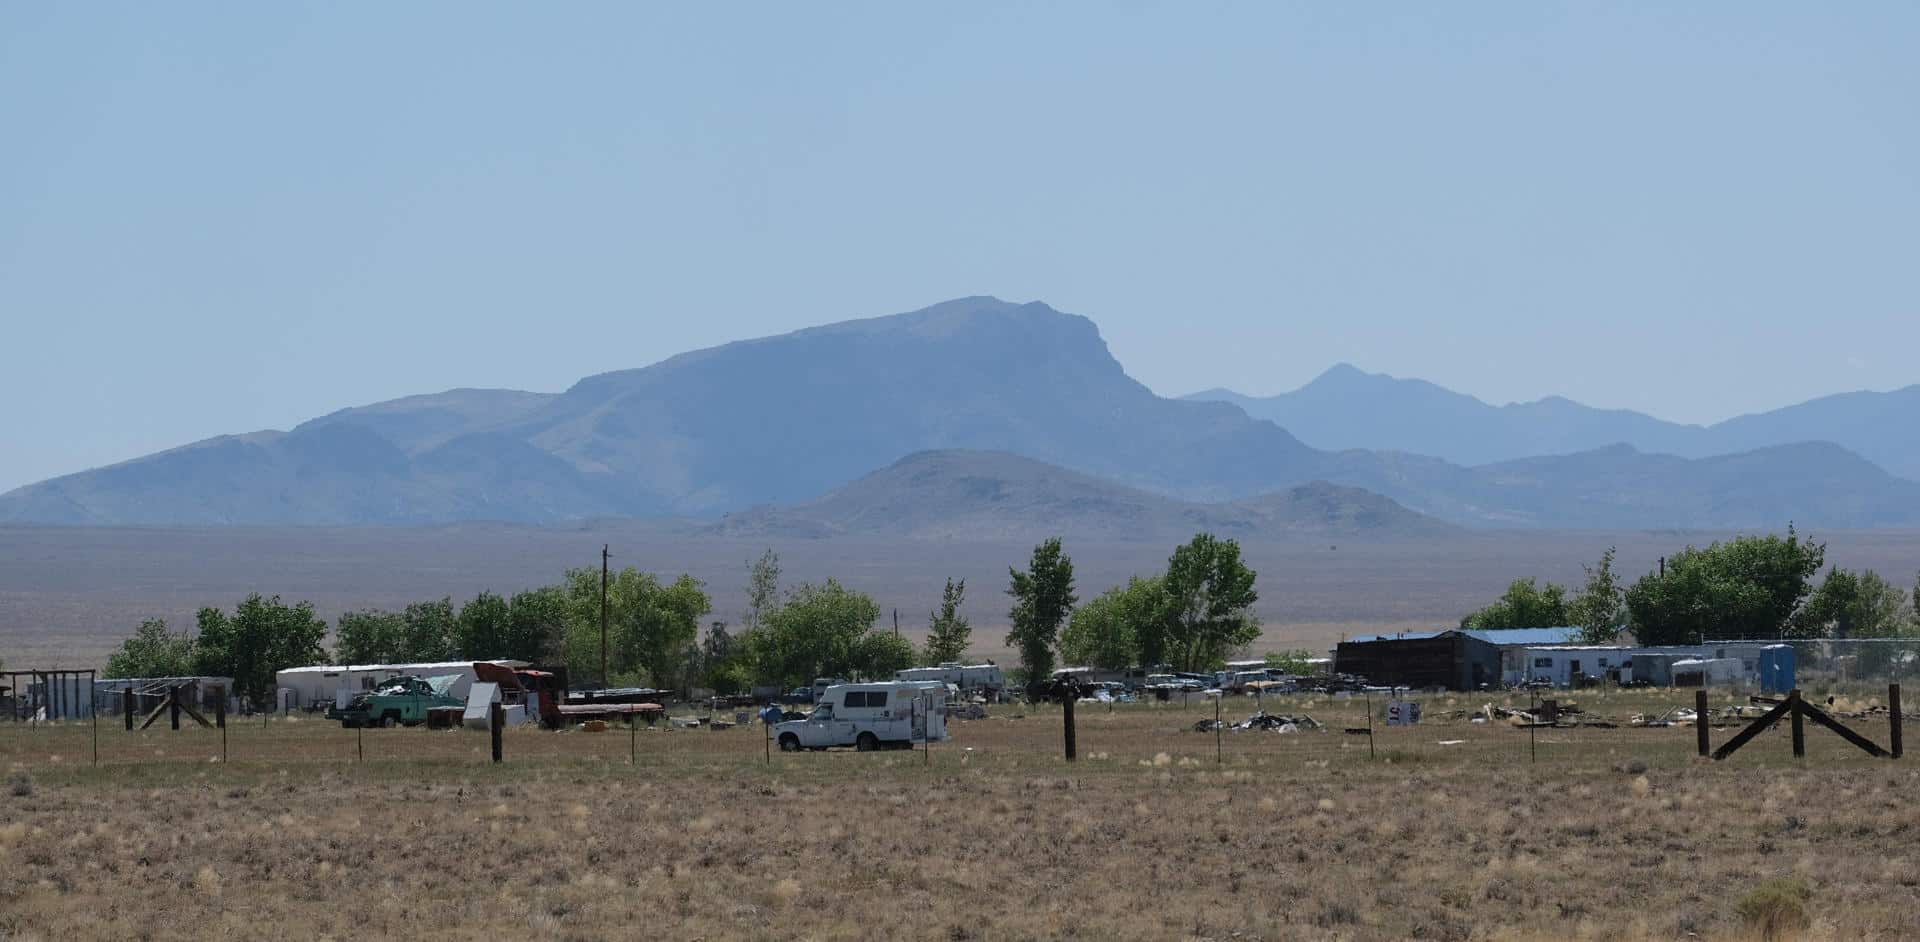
column 887, row 715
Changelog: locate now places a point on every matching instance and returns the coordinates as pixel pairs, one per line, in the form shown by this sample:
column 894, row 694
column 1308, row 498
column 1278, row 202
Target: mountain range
column 1346, row 407
column 784, row 420
column 977, row 495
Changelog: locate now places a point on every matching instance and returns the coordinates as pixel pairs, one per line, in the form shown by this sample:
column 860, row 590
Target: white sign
column 1403, row 712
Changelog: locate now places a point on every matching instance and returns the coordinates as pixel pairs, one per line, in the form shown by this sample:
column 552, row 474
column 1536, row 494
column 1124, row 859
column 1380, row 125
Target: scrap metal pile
column 1270, row 722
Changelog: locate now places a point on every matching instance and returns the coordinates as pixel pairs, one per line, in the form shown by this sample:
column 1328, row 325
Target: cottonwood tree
column 763, row 589
column 947, row 629
column 536, row 625
column 819, row 630
column 153, row 651
column 1747, row 587
column 1525, row 604
column 428, row 635
column 1042, row 599
column 262, row 636
column 1854, row 605
column 1600, row 609
column 481, row 631
column 1105, row 632
column 1209, row 603
column 370, row 637
column 649, row 624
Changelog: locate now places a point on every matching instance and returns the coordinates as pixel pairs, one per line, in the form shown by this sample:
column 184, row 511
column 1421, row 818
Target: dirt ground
column 1446, row 830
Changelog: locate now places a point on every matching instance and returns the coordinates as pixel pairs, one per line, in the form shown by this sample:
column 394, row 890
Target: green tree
column 818, row 631
column 947, row 630
column 370, row 637
column 153, row 651
column 1105, row 632
column 649, row 624
column 1747, row 587
column 1209, row 603
column 720, row 654
column 1600, row 609
column 536, row 625
column 1854, row 605
column 763, row 588
column 428, row 635
column 261, row 637
column 882, row 654
column 1042, row 599
column 1525, row 604
column 483, row 629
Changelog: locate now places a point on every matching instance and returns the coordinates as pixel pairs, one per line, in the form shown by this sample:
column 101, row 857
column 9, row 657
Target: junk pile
column 1281, row 723
column 1270, row 722
column 1737, row 715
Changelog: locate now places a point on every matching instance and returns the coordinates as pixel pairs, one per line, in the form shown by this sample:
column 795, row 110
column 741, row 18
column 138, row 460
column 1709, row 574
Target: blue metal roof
column 1529, row 637
column 1526, row 636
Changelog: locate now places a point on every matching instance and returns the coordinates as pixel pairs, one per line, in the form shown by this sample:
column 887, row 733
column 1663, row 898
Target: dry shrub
column 1776, row 909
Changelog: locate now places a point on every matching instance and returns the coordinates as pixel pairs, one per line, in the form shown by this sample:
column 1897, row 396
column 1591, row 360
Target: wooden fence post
column 1799, row 727
column 126, row 705
column 496, row 721
column 1893, row 718
column 1700, row 719
column 173, row 707
column 220, row 720
column 1066, row 701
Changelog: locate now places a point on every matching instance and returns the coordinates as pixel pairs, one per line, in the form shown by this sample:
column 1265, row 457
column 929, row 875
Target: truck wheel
column 789, row 742
column 388, row 721
column 867, row 742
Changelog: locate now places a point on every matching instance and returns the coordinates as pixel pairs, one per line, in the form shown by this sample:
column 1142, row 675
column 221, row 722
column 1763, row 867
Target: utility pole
column 896, row 623
column 604, row 676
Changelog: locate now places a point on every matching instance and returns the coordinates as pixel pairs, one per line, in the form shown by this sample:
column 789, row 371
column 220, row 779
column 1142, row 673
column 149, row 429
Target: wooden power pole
column 605, row 678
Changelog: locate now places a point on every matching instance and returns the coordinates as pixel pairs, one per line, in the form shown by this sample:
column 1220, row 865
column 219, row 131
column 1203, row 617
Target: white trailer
column 886, row 715
column 335, row 684
column 965, row 677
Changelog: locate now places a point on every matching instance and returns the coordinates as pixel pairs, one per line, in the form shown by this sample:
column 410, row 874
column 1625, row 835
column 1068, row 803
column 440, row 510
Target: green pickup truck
column 402, row 701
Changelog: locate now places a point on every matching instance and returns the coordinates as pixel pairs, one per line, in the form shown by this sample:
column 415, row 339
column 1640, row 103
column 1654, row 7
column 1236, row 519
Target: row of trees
column 1191, row 617
column 653, row 634
column 1747, row 587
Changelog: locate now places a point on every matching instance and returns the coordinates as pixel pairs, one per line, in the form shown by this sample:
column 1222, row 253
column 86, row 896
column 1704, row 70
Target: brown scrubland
column 1445, row 830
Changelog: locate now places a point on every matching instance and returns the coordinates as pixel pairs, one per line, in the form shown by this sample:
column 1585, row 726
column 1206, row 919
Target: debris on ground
column 1280, row 723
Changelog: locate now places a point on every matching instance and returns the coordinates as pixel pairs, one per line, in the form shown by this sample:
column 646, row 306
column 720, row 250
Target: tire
column 866, row 742
column 789, row 742
column 389, row 721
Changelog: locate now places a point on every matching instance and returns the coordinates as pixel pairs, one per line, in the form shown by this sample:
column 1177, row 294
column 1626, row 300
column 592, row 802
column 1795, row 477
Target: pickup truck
column 402, row 701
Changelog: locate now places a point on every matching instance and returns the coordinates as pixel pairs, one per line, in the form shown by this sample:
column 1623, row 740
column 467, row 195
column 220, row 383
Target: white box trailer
column 316, row 687
column 885, row 715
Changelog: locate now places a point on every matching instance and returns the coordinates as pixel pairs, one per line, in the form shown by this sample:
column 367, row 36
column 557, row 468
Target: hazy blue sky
column 224, row 218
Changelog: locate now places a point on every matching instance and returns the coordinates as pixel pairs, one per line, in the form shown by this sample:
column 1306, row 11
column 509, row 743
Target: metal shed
column 1456, row 660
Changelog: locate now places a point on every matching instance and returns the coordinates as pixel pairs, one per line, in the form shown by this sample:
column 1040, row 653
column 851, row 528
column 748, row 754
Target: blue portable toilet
column 1776, row 668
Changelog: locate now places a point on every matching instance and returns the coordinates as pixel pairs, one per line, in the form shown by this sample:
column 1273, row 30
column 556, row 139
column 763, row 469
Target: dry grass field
column 1610, row 833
